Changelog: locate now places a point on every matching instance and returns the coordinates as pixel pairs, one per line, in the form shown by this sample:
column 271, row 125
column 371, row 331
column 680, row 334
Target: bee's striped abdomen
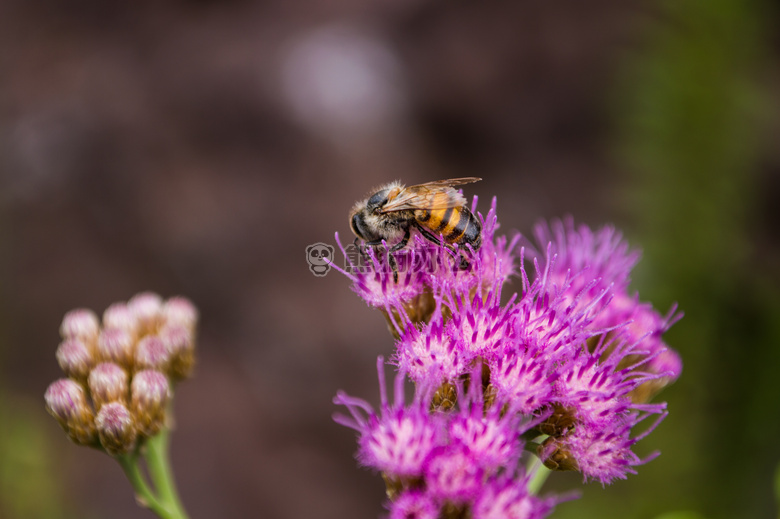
column 455, row 224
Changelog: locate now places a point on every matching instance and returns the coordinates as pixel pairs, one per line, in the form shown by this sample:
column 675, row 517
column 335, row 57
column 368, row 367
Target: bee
column 435, row 209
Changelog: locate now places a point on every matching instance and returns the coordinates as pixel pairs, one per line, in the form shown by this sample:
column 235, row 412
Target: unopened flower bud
column 151, row 353
column 66, row 401
column 116, row 345
column 116, row 428
column 150, row 393
column 180, row 311
column 559, row 422
column 445, row 397
column 80, row 324
column 147, row 308
column 107, row 383
column 180, row 343
column 119, row 315
column 75, row 358
column 555, row 456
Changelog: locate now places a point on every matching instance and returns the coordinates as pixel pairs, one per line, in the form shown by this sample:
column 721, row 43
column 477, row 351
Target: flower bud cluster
column 120, row 372
column 570, row 362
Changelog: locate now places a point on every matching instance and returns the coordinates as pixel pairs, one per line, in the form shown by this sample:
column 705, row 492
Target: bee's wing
column 438, row 194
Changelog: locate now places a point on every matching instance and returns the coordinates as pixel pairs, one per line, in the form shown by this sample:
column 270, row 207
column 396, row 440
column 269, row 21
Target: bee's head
column 363, row 219
column 360, row 226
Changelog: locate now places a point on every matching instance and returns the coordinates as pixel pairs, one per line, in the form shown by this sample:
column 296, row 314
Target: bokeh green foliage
column 30, row 488
column 691, row 115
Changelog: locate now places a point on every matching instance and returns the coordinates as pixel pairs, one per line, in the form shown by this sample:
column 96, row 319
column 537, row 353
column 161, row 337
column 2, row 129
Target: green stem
column 143, row 494
column 539, row 475
column 158, row 462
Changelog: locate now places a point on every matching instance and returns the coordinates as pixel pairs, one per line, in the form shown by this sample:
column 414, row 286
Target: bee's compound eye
column 377, row 200
column 357, row 226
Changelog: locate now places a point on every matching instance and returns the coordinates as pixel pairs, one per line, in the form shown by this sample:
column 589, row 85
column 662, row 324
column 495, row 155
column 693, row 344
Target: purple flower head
column 414, row 504
column 574, row 357
column 667, row 364
column 429, row 354
column 374, row 282
column 594, row 389
column 481, row 325
column 524, row 379
column 399, row 439
column 551, row 318
column 490, row 432
column 593, row 261
column 638, row 322
column 453, row 473
column 602, row 454
column 508, row 498
column 497, row 256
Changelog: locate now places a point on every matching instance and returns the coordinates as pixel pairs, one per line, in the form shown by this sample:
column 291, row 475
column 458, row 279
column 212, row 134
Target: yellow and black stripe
column 455, row 224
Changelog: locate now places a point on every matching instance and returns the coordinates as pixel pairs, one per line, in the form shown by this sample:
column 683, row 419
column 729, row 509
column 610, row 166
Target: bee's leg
column 361, row 247
column 433, row 239
column 401, row 244
column 430, row 237
column 464, row 263
column 394, row 266
column 398, row 246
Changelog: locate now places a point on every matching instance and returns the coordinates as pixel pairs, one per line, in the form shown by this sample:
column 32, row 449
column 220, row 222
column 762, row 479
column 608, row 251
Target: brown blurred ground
column 196, row 148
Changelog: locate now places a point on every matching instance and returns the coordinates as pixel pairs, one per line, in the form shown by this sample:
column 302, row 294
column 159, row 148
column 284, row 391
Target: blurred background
column 197, row 147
